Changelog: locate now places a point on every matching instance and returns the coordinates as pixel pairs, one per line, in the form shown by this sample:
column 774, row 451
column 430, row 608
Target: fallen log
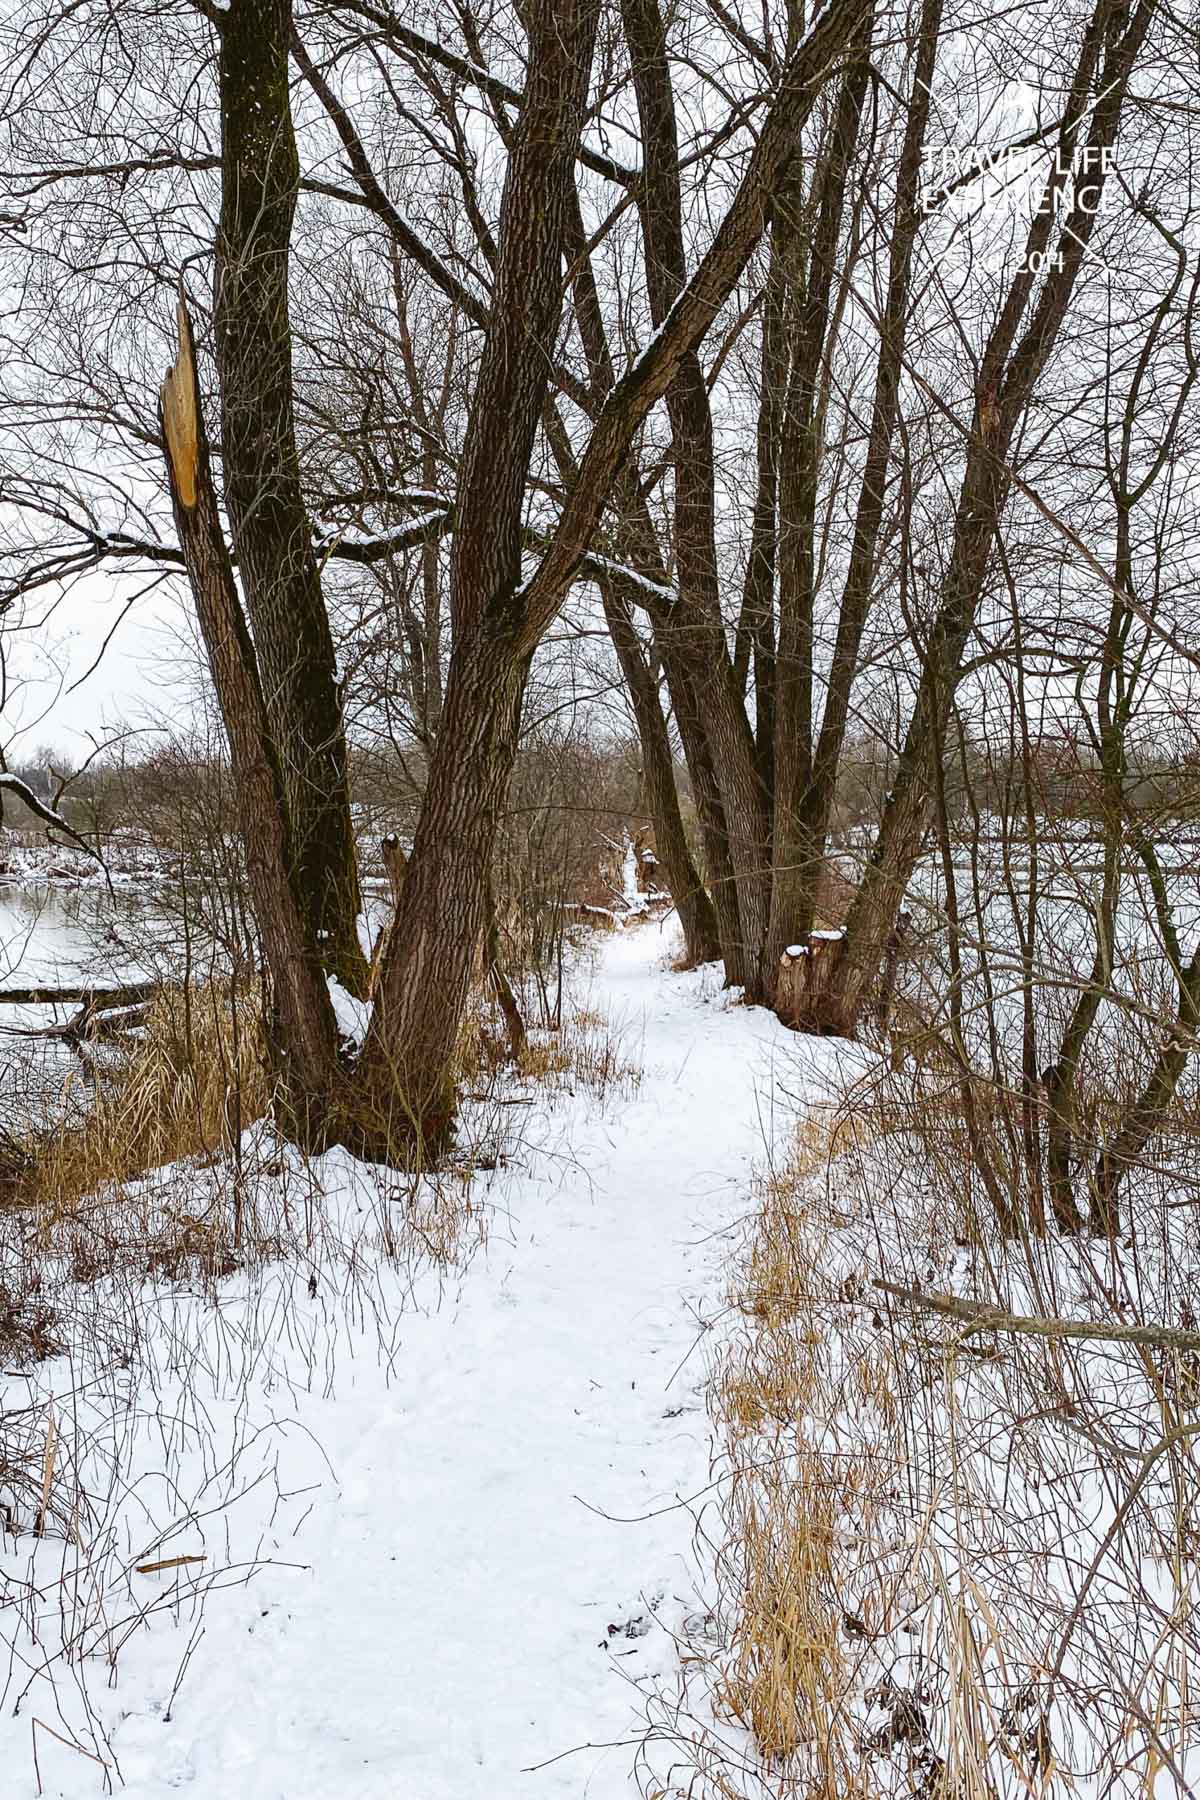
column 103, row 1012
column 983, row 1315
column 98, row 999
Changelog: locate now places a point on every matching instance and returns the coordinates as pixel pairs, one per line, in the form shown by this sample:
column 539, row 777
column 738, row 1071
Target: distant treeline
column 162, row 795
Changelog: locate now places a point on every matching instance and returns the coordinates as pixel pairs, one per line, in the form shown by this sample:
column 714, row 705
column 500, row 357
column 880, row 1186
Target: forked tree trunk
column 406, row 1085
column 305, row 1030
column 260, row 178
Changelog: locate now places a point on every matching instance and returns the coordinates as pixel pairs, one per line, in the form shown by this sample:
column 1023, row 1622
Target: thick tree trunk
column 406, row 1080
column 271, row 532
column 306, row 1033
column 406, row 1088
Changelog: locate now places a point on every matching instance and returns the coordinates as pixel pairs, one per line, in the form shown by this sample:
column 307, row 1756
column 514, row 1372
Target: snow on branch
column 364, row 547
column 49, row 815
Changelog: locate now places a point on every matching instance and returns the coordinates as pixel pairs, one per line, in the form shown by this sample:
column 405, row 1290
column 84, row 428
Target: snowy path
column 447, row 1632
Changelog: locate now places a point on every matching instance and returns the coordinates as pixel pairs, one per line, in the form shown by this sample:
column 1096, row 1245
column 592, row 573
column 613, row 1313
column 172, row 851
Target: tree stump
column 645, row 865
column 804, row 971
column 395, row 863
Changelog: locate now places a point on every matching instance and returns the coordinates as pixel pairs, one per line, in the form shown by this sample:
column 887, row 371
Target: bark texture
column 270, row 525
column 806, row 811
column 408, row 1067
column 695, row 627
column 696, row 916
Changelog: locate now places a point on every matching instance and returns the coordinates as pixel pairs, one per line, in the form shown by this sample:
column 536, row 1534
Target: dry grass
column 794, row 1500
column 584, row 1053
column 189, row 1085
column 905, row 1518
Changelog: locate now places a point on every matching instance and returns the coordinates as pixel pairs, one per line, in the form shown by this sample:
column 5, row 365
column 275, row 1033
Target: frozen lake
column 69, row 937
column 74, row 935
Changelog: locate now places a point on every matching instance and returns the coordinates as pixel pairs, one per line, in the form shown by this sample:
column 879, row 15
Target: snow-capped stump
column 645, row 865
column 801, row 968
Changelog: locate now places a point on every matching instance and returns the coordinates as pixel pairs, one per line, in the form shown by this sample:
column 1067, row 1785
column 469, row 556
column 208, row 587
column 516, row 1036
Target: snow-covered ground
column 448, row 1521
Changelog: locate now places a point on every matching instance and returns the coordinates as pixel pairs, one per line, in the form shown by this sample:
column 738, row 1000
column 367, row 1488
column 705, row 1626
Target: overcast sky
column 56, row 695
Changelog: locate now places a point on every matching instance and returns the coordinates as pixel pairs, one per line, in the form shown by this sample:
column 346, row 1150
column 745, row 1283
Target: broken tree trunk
column 306, row 1031
column 395, row 862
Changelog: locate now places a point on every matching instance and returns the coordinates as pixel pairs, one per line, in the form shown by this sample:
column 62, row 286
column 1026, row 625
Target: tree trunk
column 1145, row 1116
column 306, row 1032
column 493, row 961
column 698, row 614
column 406, row 1084
column 706, row 923
column 796, row 859
column 692, row 904
column 814, row 805
column 754, row 644
column 407, row 1075
column 271, row 532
